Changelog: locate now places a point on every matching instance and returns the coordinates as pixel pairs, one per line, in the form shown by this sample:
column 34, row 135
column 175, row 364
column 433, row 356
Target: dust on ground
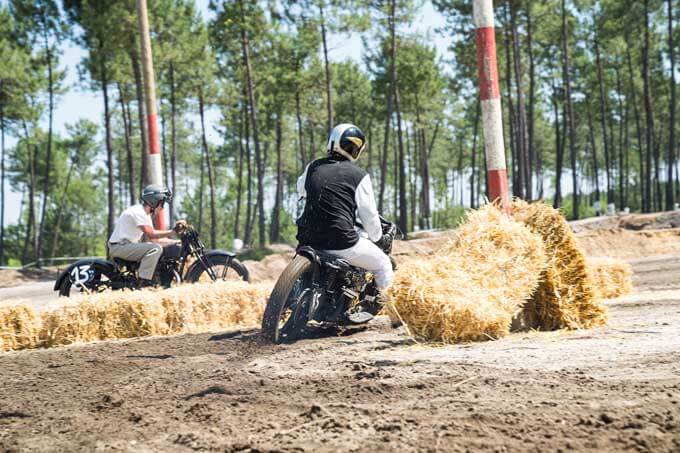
column 611, row 389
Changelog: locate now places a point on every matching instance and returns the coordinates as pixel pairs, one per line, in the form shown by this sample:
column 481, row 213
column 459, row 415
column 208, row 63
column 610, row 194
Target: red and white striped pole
column 489, row 92
column 155, row 166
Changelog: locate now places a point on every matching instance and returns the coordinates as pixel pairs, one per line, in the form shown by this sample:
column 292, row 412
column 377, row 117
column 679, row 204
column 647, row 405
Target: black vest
column 327, row 223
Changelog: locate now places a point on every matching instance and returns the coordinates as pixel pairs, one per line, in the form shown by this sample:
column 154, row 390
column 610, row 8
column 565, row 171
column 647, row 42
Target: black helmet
column 346, row 140
column 155, row 195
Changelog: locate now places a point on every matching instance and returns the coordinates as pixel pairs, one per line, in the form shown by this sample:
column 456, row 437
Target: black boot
column 359, row 317
column 144, row 283
column 367, row 308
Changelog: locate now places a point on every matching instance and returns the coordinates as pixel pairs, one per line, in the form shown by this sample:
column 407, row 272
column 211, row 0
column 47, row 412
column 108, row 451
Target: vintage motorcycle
column 97, row 275
column 319, row 289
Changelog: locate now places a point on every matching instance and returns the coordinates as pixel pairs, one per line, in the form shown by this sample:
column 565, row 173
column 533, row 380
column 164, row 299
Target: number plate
column 82, row 274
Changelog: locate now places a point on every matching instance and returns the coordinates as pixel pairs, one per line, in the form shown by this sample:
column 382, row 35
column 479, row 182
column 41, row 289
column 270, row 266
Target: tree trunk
column 211, row 178
column 239, row 183
column 512, row 143
column 596, row 172
column 247, row 238
column 253, row 119
column 570, row 112
column 658, row 202
column 638, row 128
column 48, row 156
column 60, row 210
column 649, row 113
column 626, row 156
column 403, row 209
column 623, row 117
column 670, row 159
column 559, row 150
column 473, row 163
column 522, row 132
column 31, row 198
column 386, row 138
column 128, row 145
column 201, row 191
column 2, row 176
column 603, row 123
column 137, row 71
column 395, row 178
column 109, row 147
column 275, row 233
column 329, row 83
column 173, row 138
column 369, row 149
column 425, row 176
column 164, row 147
column 412, row 175
column 301, row 140
column 459, row 167
column 533, row 153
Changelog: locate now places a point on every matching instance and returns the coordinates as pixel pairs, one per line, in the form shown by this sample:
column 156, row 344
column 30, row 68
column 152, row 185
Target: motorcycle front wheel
column 285, row 316
column 221, row 267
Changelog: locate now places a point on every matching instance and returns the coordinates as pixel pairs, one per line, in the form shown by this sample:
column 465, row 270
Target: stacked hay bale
column 610, row 277
column 565, row 298
column 127, row 314
column 183, row 309
column 497, row 270
column 471, row 290
column 19, row 327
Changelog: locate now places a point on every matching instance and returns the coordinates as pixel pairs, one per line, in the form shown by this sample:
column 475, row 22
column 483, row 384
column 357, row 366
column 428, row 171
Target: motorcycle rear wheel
column 285, row 316
column 67, row 287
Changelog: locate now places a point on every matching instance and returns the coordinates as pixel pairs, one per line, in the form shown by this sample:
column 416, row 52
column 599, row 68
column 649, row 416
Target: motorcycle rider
column 133, row 224
column 336, row 190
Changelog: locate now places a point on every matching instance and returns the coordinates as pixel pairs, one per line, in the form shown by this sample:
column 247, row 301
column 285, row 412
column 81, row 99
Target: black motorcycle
column 320, row 290
column 97, row 275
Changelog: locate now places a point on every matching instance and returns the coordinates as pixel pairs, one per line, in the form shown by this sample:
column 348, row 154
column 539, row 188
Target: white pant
column 366, row 255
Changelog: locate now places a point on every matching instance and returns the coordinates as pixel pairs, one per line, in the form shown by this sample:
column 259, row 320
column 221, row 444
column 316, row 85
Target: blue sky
column 81, row 102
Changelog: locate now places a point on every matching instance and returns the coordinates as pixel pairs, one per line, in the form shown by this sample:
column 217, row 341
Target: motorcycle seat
column 120, row 262
column 332, row 260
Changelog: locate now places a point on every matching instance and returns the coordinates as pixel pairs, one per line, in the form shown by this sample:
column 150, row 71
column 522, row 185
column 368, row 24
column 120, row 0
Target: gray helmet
column 155, row 195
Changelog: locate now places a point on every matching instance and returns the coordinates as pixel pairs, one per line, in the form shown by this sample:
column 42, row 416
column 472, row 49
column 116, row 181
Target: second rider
column 336, row 190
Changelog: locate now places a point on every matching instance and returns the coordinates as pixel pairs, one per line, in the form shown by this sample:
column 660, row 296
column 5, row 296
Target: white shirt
column 128, row 227
column 365, row 200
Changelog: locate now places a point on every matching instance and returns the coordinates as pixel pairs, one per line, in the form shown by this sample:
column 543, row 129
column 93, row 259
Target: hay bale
column 471, row 289
column 610, row 277
column 565, row 298
column 128, row 314
column 19, row 327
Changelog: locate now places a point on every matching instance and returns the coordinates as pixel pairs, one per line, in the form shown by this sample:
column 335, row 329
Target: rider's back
column 328, row 219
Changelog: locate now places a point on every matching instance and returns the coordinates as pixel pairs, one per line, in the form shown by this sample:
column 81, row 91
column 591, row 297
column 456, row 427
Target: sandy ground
column 15, row 277
column 39, row 294
column 610, row 389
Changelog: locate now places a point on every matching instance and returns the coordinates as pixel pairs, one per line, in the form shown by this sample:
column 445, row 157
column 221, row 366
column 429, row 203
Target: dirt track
column 609, row 389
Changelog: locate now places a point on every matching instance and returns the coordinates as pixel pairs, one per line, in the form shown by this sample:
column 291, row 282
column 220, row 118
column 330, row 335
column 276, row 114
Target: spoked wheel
column 218, row 268
column 285, row 316
column 170, row 279
column 70, row 288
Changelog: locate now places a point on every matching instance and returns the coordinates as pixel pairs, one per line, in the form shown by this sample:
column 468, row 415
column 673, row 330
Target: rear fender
column 313, row 256
column 99, row 266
